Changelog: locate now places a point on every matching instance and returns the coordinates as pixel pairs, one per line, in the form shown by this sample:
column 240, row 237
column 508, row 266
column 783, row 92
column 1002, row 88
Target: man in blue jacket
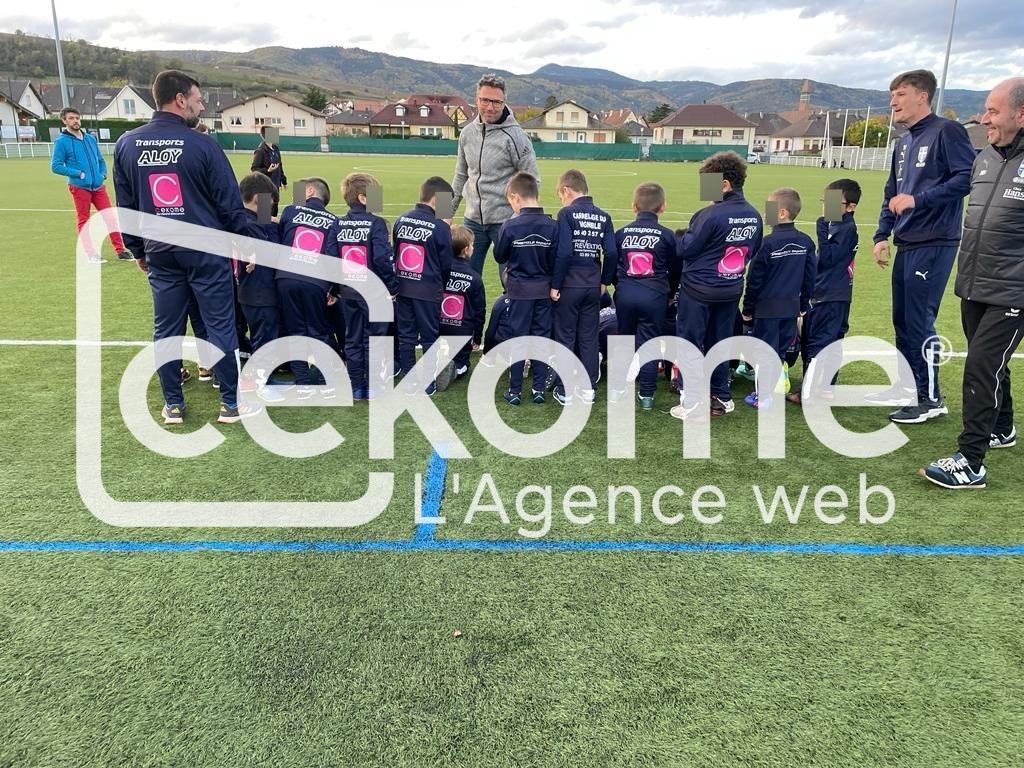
column 922, row 209
column 77, row 156
column 167, row 169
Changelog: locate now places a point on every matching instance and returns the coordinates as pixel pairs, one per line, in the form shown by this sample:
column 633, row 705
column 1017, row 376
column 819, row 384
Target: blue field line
column 425, row 540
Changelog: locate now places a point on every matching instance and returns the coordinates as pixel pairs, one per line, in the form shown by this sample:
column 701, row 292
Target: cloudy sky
column 855, row 43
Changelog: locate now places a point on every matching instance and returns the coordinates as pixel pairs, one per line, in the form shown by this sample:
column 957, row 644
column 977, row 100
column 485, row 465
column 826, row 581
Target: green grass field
column 447, row 657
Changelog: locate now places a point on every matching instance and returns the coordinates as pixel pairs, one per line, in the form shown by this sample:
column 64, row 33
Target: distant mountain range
column 358, row 72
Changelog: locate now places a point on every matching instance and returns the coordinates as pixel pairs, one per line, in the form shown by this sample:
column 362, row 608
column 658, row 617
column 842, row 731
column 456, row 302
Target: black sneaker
column 186, row 374
column 229, row 415
column 920, row 413
column 895, row 396
column 954, row 473
column 125, row 256
column 513, row 398
column 445, row 376
column 1003, row 441
column 205, row 374
column 538, row 397
column 720, row 407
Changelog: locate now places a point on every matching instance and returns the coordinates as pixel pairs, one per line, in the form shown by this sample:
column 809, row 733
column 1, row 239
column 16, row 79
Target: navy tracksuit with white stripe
column 360, row 240
column 780, row 282
column 584, row 233
column 933, row 163
column 715, row 251
column 423, row 258
column 527, row 244
column 304, row 299
column 829, row 317
column 648, row 266
column 165, row 168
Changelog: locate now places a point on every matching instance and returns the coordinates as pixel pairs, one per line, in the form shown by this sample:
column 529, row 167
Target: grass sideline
column 563, row 658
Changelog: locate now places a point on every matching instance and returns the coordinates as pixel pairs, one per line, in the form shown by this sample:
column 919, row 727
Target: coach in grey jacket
column 492, row 148
column 990, row 284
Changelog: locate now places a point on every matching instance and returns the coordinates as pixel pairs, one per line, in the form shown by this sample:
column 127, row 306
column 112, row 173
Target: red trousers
column 84, row 198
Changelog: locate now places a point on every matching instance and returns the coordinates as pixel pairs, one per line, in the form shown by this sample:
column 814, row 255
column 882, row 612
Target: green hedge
column 683, row 152
column 117, row 127
column 572, row 151
column 363, row 146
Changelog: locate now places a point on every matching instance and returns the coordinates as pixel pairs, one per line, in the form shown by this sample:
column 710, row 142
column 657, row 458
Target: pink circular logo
column 641, row 264
column 733, row 260
column 353, row 259
column 166, row 190
column 308, row 240
column 411, row 257
column 452, row 306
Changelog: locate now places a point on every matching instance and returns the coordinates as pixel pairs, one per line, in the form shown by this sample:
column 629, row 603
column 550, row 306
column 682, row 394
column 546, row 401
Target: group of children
column 573, row 278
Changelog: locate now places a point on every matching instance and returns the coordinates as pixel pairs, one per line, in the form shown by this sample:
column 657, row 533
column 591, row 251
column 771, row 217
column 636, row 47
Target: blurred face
column 491, row 103
column 1002, row 122
column 908, row 104
column 73, row 121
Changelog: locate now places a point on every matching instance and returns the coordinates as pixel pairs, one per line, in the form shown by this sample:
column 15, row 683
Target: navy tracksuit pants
column 264, row 324
column 776, row 332
column 919, row 277
column 304, row 313
column 640, row 313
column 575, row 318
column 704, row 325
column 461, row 357
column 358, row 330
column 417, row 322
column 529, row 317
column 174, row 277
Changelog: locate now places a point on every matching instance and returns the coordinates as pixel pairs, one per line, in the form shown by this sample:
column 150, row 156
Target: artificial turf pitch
column 436, row 656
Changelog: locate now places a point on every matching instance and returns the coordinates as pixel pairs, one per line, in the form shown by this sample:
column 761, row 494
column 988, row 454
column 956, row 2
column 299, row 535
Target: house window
column 739, row 135
column 707, row 132
column 424, row 111
column 599, row 138
column 678, row 136
column 235, row 121
column 400, row 111
column 129, row 106
column 559, row 117
column 275, row 121
column 562, row 136
column 300, row 122
column 574, row 117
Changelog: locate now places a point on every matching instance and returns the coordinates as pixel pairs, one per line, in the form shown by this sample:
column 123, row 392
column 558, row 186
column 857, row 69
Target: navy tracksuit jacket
column 528, row 243
column 584, row 233
column 829, row 317
column 306, row 229
column 360, row 240
column 648, row 265
column 257, row 294
column 167, row 169
column 933, row 163
column 423, row 257
column 780, row 282
column 715, row 250
column 463, row 308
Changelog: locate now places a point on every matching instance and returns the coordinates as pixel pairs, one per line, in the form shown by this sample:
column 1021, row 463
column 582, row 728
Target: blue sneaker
column 954, row 473
column 173, row 414
column 513, row 398
column 360, row 394
column 646, row 402
column 538, row 396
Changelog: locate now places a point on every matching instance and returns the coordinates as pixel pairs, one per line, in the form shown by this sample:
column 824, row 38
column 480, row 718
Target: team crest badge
column 922, row 155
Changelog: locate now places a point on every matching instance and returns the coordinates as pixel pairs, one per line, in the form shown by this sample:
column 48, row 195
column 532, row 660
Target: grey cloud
column 564, row 46
column 538, row 31
column 614, row 22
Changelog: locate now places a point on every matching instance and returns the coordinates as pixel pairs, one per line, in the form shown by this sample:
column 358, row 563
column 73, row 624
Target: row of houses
column 805, row 129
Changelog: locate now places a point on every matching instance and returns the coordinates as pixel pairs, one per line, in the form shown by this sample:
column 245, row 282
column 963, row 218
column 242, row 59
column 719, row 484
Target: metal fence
column 853, row 158
column 16, row 149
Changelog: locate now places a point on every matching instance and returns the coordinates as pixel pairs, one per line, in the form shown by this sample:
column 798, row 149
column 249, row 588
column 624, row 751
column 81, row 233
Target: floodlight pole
column 60, row 58
column 945, row 64
column 864, row 141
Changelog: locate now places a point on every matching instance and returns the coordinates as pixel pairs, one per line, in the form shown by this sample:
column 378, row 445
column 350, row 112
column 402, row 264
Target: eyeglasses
column 489, row 102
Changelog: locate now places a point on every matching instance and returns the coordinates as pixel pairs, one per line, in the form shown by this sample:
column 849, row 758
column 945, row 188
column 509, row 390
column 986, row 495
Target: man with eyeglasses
column 492, row 149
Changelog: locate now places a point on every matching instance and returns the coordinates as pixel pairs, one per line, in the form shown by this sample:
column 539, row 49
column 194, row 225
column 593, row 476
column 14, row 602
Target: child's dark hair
column 432, row 186
column 849, row 188
column 732, row 167
column 462, row 238
column 788, row 198
column 323, row 189
column 356, row 184
column 680, row 232
column 574, row 180
column 525, row 185
column 256, row 184
column 649, row 197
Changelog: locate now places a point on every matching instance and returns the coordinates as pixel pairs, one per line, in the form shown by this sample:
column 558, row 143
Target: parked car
column 753, row 158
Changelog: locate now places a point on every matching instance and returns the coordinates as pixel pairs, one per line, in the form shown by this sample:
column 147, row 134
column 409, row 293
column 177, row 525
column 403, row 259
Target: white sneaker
column 586, row 395
column 97, row 259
